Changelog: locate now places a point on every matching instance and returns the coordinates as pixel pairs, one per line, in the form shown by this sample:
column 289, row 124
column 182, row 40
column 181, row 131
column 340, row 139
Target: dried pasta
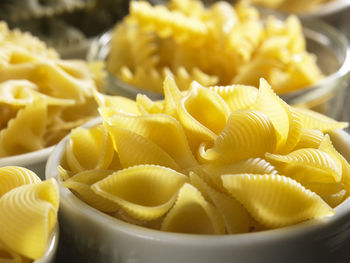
column 28, row 214
column 42, row 97
column 221, row 44
column 208, row 160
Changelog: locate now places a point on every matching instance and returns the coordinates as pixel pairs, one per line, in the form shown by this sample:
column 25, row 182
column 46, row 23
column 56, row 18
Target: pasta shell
column 314, row 120
column 203, row 123
column 8, row 256
column 275, row 200
column 64, row 173
column 237, row 97
column 81, row 184
column 309, row 138
column 133, row 149
column 25, row 132
column 172, row 96
column 235, row 216
column 193, row 214
column 308, row 165
column 89, row 148
column 14, row 176
column 251, row 165
column 145, row 192
column 248, row 134
column 327, row 146
column 117, row 103
column 158, row 128
column 270, row 104
column 334, row 200
column 28, row 213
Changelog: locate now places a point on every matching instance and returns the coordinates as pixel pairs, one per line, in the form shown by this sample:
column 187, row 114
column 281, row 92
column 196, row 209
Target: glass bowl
column 328, row 44
column 97, row 237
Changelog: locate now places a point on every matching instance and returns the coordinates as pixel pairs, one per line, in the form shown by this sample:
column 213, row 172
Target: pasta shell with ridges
column 275, row 200
column 247, row 134
column 193, row 214
column 28, row 213
column 309, row 138
column 145, row 192
column 14, row 176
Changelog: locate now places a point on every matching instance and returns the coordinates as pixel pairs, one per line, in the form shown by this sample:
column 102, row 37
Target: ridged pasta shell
column 193, row 214
column 134, row 149
column 237, row 97
column 251, row 165
column 275, row 200
column 247, row 134
column 235, row 216
column 64, row 173
column 308, row 165
column 327, row 146
column 334, row 200
column 314, row 120
column 29, row 213
column 89, row 148
column 117, row 103
column 25, row 132
column 270, row 104
column 158, row 128
column 309, row 138
column 145, row 192
column 202, row 113
column 81, row 184
column 14, row 176
column 148, row 106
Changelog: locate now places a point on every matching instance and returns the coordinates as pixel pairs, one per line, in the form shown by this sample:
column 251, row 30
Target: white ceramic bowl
column 50, row 253
column 98, row 237
column 35, row 161
column 330, row 46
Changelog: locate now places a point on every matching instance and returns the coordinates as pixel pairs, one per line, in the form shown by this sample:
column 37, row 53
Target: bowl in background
column 50, row 253
column 35, row 161
column 328, row 44
column 98, row 237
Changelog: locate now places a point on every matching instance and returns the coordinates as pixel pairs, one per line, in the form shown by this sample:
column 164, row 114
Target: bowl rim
column 272, row 235
column 311, row 26
column 51, row 249
column 28, row 158
column 329, row 8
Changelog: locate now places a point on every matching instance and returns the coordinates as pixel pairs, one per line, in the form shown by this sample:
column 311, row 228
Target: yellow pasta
column 218, row 44
column 28, row 214
column 207, row 160
column 252, row 190
column 42, row 96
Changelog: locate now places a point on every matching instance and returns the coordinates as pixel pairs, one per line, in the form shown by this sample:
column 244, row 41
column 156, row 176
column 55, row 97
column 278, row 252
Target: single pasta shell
column 235, row 216
column 204, row 123
column 134, row 149
column 172, row 96
column 275, row 200
column 309, row 138
column 29, row 213
column 308, row 165
column 334, row 200
column 148, row 106
column 157, row 128
column 89, row 149
column 81, row 184
column 237, row 97
column 248, row 133
column 145, row 192
column 314, row 120
column 14, row 176
column 271, row 105
column 193, row 214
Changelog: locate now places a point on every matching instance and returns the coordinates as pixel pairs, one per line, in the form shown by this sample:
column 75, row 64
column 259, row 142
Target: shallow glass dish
column 97, row 237
column 328, row 44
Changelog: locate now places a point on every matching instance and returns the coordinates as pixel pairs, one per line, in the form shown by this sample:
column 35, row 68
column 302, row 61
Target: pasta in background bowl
column 328, row 45
column 235, row 138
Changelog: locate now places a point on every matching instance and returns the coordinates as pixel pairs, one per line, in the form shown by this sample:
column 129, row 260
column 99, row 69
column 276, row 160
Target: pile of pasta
column 291, row 5
column 217, row 45
column 42, row 96
column 28, row 214
column 208, row 160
